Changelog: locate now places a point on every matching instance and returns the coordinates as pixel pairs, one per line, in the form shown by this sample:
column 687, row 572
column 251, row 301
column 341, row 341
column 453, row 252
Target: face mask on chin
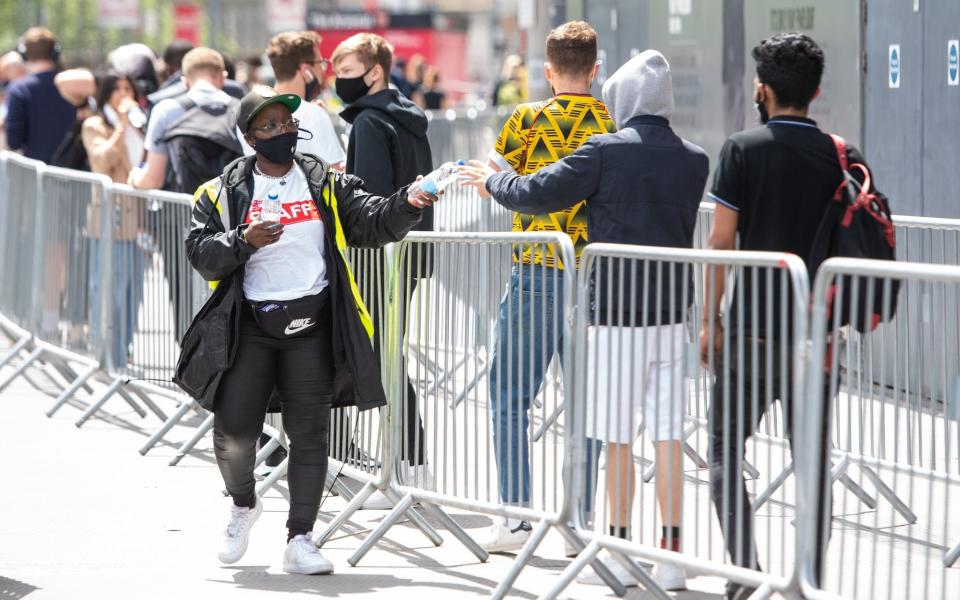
column 279, row 149
column 352, row 89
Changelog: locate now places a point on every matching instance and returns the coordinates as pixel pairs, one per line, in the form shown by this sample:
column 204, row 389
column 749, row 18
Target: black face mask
column 351, row 90
column 279, row 149
column 762, row 113
column 312, row 90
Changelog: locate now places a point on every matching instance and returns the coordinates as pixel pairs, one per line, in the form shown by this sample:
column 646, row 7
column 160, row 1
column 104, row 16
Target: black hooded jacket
column 215, row 249
column 388, row 145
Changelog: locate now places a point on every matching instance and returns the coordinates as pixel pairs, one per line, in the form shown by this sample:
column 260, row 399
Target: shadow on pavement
column 12, row 589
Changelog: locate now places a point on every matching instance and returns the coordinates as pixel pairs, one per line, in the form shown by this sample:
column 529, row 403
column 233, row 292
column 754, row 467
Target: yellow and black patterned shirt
column 539, row 134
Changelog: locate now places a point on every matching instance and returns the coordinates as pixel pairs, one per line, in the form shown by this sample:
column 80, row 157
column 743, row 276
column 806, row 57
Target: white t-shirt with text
column 293, row 266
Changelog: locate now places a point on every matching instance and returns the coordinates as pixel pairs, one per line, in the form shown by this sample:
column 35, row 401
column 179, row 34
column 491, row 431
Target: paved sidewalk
column 83, row 515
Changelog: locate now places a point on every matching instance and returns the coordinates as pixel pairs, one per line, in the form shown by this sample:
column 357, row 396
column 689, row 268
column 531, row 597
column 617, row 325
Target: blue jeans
column 528, row 335
column 129, row 264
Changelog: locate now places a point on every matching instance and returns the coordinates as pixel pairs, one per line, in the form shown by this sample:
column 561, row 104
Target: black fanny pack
column 285, row 319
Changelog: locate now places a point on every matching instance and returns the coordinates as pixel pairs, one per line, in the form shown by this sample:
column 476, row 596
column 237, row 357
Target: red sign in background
column 187, row 22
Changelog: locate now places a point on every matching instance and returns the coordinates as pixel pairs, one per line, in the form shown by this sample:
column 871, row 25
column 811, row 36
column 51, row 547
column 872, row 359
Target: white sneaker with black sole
column 236, row 537
column 303, row 558
column 503, row 537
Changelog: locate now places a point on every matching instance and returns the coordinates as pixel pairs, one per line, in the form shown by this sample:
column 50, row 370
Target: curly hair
column 792, row 65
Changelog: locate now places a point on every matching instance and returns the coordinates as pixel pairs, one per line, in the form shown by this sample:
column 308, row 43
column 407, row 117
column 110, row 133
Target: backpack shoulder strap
column 840, row 145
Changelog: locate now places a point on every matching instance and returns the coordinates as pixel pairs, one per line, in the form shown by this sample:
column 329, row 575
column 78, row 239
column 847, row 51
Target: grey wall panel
column 834, row 24
column 941, row 112
column 893, row 119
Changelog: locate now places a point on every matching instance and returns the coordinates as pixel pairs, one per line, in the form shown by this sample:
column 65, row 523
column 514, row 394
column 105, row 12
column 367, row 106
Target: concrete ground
column 83, row 515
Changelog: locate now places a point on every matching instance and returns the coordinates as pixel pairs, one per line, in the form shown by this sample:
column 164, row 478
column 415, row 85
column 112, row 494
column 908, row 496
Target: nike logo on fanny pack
column 298, row 325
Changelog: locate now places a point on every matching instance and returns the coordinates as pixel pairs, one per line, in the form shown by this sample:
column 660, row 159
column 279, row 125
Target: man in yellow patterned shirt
column 537, row 134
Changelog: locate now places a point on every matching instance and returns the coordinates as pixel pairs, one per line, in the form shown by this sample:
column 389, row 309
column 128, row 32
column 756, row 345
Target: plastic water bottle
column 270, row 209
column 437, row 180
column 137, row 117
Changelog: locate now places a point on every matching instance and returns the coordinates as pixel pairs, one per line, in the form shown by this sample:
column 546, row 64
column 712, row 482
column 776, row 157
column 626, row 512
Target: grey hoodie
column 642, row 86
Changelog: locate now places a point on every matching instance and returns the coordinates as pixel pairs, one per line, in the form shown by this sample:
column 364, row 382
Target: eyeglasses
column 272, row 127
column 324, row 63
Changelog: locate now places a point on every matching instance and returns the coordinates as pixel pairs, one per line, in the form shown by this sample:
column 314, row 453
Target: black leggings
column 301, row 369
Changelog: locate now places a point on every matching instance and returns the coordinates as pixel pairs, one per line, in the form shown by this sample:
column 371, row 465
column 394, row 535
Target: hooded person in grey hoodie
column 643, row 185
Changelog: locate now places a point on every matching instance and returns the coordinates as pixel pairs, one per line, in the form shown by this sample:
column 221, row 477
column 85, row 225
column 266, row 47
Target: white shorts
column 627, row 365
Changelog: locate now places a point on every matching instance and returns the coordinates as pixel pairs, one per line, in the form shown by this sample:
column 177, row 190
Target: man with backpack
column 773, row 187
column 189, row 140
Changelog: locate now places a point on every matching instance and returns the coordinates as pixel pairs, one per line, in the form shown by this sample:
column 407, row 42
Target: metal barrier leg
column 274, row 476
column 884, row 490
column 539, row 433
column 601, row 569
column 129, row 400
column 15, row 350
column 523, row 557
column 391, row 519
column 416, row 518
column 773, row 487
column 147, row 401
column 763, row 592
column 457, row 531
column 201, row 431
column 111, row 389
column 29, row 360
column 175, row 418
column 952, row 556
column 585, row 557
column 642, row 577
column 72, row 389
column 352, row 507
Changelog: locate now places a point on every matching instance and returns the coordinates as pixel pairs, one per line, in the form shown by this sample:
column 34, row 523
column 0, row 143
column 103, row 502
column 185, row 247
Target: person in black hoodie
column 387, row 149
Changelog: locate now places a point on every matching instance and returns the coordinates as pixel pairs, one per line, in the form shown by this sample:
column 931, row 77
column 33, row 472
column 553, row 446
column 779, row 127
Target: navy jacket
column 38, row 118
column 643, row 185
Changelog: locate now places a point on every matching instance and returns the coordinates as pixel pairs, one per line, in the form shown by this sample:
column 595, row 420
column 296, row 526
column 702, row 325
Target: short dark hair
column 572, row 48
column 174, row 52
column 792, row 65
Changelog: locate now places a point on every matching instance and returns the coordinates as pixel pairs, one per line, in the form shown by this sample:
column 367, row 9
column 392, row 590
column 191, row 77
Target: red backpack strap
column 841, row 147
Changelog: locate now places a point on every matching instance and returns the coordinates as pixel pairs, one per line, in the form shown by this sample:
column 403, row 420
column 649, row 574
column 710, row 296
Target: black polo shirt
column 779, row 178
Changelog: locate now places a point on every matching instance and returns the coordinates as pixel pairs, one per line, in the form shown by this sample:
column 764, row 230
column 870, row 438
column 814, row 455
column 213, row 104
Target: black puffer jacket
column 352, row 217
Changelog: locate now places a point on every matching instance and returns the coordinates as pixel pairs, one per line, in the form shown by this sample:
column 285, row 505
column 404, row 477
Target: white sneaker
column 670, row 577
column 589, row 576
column 500, row 538
column 303, row 558
column 236, row 536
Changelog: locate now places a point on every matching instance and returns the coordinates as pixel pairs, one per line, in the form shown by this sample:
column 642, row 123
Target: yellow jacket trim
column 330, row 198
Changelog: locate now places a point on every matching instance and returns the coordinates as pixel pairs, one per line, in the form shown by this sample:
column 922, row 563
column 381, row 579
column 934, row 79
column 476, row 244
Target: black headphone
column 22, row 50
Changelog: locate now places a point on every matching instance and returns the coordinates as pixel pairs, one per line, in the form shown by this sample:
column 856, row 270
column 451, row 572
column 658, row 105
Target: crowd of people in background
column 180, row 121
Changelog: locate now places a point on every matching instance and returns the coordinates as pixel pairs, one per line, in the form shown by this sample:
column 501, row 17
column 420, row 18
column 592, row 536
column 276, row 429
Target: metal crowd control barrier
column 460, row 464
column 901, row 437
column 358, row 439
column 638, row 364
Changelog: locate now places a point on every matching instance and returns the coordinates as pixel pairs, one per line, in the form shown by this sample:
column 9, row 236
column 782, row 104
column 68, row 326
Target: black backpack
column 200, row 144
column 857, row 224
column 71, row 154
